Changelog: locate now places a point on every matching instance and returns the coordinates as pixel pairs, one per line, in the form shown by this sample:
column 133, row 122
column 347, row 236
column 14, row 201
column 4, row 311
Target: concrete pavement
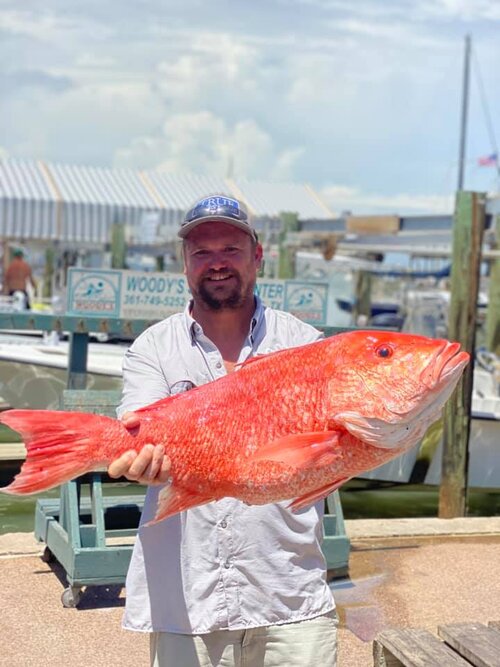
column 403, row 573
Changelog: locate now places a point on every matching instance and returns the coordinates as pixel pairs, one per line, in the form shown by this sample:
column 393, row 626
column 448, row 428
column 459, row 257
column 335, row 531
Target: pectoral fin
column 317, row 494
column 301, row 450
column 172, row 500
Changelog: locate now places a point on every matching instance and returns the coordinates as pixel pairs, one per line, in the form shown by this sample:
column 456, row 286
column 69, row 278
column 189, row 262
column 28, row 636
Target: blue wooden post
column 77, row 360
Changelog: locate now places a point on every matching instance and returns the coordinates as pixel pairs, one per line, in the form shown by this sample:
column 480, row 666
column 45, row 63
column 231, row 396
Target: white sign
column 154, row 296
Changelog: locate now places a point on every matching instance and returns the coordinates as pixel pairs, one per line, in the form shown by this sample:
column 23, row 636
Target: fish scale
column 293, row 424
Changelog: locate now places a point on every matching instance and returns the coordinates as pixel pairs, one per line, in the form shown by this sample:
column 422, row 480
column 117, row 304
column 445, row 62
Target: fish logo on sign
column 308, row 302
column 95, row 293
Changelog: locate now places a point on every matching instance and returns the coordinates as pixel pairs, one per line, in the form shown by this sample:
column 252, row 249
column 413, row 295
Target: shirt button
column 223, row 523
column 227, row 564
column 218, row 365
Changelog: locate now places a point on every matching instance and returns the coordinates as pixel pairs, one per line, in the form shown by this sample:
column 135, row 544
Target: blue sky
column 359, row 99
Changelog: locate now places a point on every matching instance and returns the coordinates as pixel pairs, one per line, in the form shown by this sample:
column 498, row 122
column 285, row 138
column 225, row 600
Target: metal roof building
column 48, row 202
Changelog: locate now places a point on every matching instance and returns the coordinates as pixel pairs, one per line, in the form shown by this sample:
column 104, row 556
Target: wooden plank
column 467, row 240
column 476, row 642
column 12, row 451
column 372, row 224
column 493, row 311
column 413, row 648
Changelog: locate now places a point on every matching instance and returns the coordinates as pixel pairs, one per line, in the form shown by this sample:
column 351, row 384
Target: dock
column 403, row 574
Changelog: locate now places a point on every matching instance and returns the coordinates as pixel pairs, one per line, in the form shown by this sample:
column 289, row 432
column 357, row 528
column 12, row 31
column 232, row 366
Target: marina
column 389, row 515
column 346, row 158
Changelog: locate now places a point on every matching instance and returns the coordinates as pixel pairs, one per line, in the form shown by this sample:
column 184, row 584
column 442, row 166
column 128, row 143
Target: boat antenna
column 465, row 106
column 486, row 111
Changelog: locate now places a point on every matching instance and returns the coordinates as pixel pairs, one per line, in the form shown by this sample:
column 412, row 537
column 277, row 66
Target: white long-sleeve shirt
column 224, row 565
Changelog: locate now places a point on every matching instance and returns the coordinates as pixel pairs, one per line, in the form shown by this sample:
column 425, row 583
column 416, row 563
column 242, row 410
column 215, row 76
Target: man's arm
column 143, row 383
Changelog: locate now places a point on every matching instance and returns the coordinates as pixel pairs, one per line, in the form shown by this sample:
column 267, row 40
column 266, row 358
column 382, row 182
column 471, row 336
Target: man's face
column 221, row 264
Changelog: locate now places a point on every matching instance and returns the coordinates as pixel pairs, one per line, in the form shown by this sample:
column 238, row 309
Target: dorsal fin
column 163, row 402
column 259, row 357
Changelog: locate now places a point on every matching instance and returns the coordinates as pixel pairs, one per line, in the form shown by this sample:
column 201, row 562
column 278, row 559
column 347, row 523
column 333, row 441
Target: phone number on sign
column 154, row 300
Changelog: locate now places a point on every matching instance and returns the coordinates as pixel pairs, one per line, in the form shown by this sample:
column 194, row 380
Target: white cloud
column 463, row 10
column 217, row 69
column 324, row 91
column 83, row 124
column 94, row 61
column 49, row 26
column 205, row 143
column 344, row 198
column 40, row 26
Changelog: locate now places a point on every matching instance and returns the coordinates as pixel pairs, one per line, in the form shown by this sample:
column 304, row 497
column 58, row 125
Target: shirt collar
column 194, row 329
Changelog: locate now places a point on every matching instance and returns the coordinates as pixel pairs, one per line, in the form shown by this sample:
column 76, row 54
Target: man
column 18, row 275
column 224, row 584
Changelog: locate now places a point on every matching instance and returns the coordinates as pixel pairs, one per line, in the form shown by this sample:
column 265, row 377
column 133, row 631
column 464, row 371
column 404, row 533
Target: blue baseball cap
column 217, row 208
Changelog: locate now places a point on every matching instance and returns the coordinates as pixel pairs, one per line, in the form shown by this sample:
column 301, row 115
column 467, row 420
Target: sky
column 359, row 99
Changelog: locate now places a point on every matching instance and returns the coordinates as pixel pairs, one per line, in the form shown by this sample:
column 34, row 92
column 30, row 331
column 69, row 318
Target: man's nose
column 218, row 262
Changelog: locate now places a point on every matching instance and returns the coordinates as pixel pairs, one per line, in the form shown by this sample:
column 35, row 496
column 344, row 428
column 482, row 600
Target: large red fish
column 293, row 424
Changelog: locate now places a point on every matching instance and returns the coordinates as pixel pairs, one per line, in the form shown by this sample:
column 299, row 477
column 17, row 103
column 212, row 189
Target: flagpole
column 465, row 106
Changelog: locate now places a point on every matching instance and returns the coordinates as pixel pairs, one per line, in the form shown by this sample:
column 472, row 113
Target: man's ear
column 182, row 252
column 259, row 254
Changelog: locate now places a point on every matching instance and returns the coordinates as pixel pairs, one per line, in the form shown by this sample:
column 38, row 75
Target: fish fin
column 251, row 360
column 173, row 499
column 301, row 450
column 259, row 357
column 162, row 402
column 58, row 447
column 311, row 497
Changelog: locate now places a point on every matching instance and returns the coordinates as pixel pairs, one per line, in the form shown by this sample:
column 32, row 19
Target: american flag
column 488, row 160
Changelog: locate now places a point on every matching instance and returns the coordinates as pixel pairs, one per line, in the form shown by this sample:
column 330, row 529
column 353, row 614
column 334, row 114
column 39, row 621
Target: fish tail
column 59, row 447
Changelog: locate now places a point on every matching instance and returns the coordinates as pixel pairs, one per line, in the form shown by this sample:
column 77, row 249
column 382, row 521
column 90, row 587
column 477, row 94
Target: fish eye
column 383, row 351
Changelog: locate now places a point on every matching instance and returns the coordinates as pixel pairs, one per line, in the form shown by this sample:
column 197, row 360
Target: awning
column 43, row 201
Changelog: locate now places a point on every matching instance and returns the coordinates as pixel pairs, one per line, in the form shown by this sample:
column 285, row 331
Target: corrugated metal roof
column 94, row 198
column 177, row 192
column 27, row 204
column 271, row 199
column 44, row 201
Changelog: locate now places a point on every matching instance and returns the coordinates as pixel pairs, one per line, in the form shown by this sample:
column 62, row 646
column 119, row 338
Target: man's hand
column 149, row 466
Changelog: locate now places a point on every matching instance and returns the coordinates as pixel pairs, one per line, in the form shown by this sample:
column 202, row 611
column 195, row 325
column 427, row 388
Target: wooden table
column 461, row 645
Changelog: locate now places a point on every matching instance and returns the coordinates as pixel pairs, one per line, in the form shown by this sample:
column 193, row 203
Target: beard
column 232, row 299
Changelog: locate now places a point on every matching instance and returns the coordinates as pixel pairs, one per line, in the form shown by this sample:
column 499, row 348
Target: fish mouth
column 447, row 366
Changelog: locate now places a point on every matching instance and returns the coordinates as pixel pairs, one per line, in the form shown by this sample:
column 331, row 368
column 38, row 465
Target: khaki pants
column 311, row 643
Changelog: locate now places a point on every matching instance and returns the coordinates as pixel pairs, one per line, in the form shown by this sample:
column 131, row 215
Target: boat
column 484, row 453
column 376, row 307
column 33, row 370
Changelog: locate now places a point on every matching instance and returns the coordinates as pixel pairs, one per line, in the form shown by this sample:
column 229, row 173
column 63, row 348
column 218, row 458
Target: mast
column 465, row 106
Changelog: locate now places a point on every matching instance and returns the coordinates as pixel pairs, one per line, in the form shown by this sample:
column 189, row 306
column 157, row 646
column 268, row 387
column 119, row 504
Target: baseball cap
column 217, row 208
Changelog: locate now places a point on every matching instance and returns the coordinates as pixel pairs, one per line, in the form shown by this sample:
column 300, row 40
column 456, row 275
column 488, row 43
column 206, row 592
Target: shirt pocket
column 180, row 386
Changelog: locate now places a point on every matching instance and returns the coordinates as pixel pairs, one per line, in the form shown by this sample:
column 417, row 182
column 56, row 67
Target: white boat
column 484, row 439
column 33, row 371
